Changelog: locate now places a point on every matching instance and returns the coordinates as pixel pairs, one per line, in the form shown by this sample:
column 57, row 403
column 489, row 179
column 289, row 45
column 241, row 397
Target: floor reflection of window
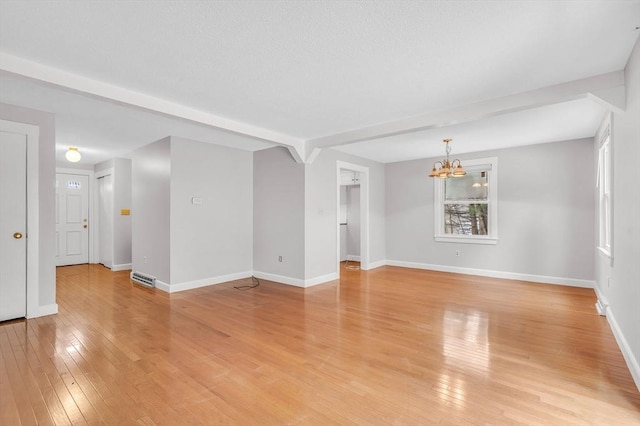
column 466, row 341
column 465, row 346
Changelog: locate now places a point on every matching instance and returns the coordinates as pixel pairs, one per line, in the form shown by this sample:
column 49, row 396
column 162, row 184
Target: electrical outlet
column 279, row 258
column 457, row 252
column 146, row 259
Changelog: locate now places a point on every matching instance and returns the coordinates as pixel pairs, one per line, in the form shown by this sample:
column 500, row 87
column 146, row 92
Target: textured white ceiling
column 311, row 69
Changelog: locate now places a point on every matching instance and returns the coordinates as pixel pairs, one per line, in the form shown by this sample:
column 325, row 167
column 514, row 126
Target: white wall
column 278, row 216
column 545, row 214
column 151, row 179
column 212, row 239
column 46, row 175
column 622, row 291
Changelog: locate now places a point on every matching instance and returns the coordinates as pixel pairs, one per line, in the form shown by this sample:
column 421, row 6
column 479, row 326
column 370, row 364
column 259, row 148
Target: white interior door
column 72, row 219
column 13, row 223
column 105, row 220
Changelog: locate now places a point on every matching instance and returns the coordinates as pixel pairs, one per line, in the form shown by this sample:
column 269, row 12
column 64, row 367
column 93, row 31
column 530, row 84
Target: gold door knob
column 17, row 235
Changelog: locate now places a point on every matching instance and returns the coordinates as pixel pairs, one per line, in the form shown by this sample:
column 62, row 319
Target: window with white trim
column 604, row 184
column 466, row 208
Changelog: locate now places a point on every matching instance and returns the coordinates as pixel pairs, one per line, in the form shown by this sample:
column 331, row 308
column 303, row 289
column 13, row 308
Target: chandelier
column 446, row 168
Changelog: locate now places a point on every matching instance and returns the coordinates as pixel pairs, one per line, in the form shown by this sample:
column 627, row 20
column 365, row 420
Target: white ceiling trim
column 24, row 68
column 605, row 88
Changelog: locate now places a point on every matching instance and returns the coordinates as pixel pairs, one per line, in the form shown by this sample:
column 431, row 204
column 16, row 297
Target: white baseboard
column 161, row 285
column 573, row 282
column 297, row 282
column 379, row 263
column 190, row 285
column 282, row 279
column 353, row 257
column 321, row 279
column 632, row 362
column 45, row 310
column 601, row 303
column 121, row 267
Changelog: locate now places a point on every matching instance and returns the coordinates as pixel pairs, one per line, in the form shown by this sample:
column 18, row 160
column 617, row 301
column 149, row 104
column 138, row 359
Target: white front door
column 72, row 219
column 13, row 226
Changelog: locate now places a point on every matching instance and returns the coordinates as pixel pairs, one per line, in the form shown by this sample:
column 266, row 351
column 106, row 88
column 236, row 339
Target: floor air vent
column 145, row 280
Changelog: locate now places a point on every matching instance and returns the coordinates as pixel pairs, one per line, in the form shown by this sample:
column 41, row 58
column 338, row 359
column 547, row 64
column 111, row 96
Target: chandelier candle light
column 447, row 168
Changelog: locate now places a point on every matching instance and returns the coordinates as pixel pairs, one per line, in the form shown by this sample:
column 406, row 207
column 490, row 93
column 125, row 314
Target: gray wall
column 278, row 217
column 545, row 213
column 622, row 291
column 321, row 209
column 46, row 195
column 213, row 238
column 151, row 179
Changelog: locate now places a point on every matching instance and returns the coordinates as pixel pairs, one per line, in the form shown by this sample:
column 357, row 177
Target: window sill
column 464, row 239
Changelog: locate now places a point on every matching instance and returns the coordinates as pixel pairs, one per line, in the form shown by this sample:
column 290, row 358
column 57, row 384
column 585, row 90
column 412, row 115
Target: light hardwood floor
column 387, row 346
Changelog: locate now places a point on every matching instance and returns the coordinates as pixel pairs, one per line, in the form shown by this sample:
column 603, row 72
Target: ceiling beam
column 605, row 88
column 15, row 66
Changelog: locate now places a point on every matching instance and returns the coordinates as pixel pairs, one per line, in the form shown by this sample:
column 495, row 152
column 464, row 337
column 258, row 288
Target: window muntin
column 466, row 207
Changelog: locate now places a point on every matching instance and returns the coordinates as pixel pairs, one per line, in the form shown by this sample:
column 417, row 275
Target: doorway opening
column 105, row 219
column 352, row 219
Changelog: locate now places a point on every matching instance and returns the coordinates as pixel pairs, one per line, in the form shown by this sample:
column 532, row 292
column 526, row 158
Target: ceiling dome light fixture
column 447, row 168
column 73, row 155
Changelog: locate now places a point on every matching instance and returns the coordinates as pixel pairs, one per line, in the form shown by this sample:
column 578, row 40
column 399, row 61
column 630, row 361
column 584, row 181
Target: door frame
column 95, row 207
column 93, row 241
column 364, row 212
column 33, row 211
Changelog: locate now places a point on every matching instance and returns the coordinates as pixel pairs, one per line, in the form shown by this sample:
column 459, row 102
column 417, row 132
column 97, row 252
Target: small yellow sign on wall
column 125, row 212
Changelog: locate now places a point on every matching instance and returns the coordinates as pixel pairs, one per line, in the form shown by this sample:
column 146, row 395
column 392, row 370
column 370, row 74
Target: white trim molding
column 45, row 310
column 205, row 282
column 543, row 279
column 377, row 264
column 627, row 353
column 121, row 267
column 296, row 282
column 282, row 279
column 309, row 282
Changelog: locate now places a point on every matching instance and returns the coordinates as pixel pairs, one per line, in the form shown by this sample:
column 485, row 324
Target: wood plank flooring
column 387, row 346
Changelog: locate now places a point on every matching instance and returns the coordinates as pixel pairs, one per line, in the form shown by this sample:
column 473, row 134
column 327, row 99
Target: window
column 604, row 184
column 466, row 208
